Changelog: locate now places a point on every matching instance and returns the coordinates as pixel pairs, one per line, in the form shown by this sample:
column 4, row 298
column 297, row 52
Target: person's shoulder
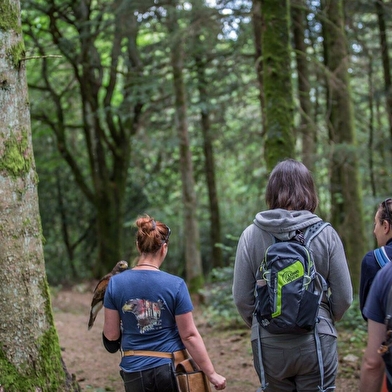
column 369, row 259
column 384, row 276
column 327, row 232
column 125, row 275
column 171, row 277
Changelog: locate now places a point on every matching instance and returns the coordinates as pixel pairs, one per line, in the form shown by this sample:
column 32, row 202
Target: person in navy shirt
column 370, row 266
column 149, row 312
column 375, row 310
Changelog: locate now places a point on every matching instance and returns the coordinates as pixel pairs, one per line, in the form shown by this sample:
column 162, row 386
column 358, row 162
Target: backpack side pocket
column 308, row 310
column 263, row 305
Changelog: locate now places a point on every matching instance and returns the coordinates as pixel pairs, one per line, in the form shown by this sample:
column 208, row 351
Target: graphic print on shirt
column 148, row 313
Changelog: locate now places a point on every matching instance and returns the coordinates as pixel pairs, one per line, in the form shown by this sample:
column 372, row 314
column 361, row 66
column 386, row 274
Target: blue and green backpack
column 289, row 289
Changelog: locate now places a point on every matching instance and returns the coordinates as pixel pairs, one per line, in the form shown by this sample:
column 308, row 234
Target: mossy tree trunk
column 30, row 356
column 278, row 95
column 194, row 270
column 346, row 196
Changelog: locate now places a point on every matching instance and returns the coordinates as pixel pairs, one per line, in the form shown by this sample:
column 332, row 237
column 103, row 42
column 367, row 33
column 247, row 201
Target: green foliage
column 352, row 340
column 352, row 331
column 218, row 298
column 353, row 321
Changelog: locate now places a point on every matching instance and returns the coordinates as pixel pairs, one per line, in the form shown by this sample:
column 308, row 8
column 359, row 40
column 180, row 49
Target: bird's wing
column 99, row 291
column 97, row 301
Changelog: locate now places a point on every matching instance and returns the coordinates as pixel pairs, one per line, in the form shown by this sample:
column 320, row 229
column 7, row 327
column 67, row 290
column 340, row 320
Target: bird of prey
column 99, row 291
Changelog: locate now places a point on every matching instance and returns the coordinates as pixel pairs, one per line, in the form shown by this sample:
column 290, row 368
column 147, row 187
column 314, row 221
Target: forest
column 180, row 109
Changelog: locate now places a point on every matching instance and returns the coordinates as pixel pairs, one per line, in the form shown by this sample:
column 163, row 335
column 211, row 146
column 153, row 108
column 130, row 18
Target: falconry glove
column 111, row 345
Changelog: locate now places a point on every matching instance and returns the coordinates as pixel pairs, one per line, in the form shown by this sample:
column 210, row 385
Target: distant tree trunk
column 371, row 129
column 64, row 227
column 307, row 128
column 346, row 196
column 279, row 143
column 385, row 61
column 194, row 271
column 200, row 53
column 383, row 182
column 30, row 356
column 257, row 29
column 318, row 74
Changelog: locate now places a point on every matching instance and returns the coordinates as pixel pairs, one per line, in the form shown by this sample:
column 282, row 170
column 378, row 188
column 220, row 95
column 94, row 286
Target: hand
column 218, row 381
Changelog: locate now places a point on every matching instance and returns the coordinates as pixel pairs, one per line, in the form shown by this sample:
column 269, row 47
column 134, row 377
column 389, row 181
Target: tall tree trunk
column 346, row 196
column 307, row 128
column 279, row 104
column 215, row 223
column 30, row 356
column 194, row 271
column 385, row 61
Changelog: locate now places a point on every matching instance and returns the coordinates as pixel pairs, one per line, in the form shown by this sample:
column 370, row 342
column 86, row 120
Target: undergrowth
column 218, row 300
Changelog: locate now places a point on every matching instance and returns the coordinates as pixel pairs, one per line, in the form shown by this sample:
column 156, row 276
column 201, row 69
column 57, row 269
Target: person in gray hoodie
column 290, row 361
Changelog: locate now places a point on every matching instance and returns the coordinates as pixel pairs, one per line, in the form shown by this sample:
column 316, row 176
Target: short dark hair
column 291, row 187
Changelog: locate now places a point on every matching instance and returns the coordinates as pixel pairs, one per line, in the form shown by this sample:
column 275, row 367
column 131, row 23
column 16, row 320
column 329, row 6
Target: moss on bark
column 47, row 373
column 16, row 159
column 16, row 53
column 9, row 17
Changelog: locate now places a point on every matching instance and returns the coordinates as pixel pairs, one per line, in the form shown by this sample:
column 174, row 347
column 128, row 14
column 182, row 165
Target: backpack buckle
column 386, row 343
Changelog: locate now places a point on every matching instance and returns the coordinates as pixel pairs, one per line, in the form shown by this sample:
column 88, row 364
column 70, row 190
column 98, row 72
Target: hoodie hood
column 283, row 224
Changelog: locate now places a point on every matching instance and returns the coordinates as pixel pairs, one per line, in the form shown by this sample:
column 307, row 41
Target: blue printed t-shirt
column 147, row 302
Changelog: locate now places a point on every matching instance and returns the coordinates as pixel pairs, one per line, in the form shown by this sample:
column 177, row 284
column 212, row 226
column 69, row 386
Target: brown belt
column 177, row 356
column 145, row 353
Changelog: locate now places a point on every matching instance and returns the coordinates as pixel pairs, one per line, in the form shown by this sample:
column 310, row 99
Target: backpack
column 289, row 289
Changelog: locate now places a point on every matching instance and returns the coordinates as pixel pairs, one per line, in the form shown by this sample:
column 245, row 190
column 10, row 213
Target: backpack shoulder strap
column 381, row 256
column 313, row 230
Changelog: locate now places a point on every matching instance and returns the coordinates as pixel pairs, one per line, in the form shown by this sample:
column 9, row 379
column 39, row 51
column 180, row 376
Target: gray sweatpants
column 291, row 364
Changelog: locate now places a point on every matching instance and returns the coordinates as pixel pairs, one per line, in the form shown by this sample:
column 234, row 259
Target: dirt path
column 97, row 371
